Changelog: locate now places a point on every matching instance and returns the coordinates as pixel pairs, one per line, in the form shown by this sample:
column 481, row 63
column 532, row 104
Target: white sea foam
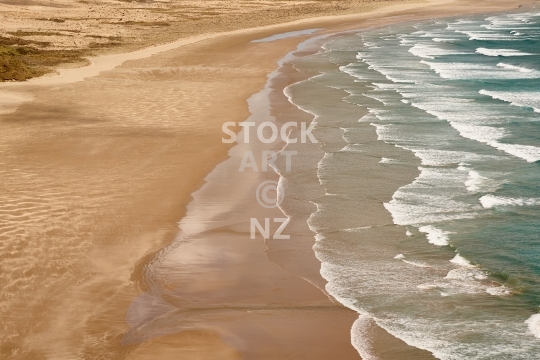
column 478, row 183
column 509, row 20
column 466, row 279
column 416, row 263
column 451, row 108
column 360, row 279
column 461, row 261
column 474, row 181
column 384, row 132
column 430, row 209
column 513, row 67
column 485, row 134
column 418, row 203
column 434, row 235
column 433, row 157
column 486, row 35
column 464, row 71
column 370, row 44
column 387, row 161
column 432, row 51
column 499, row 291
column 490, row 135
column 528, row 153
column 448, row 40
column 362, row 337
column 522, row 98
column 355, row 148
column 428, row 286
column 490, row 201
column 380, row 97
column 318, row 236
column 501, row 52
column 466, row 273
column 393, row 74
column 411, row 262
column 349, row 69
column 534, row 325
column 357, row 229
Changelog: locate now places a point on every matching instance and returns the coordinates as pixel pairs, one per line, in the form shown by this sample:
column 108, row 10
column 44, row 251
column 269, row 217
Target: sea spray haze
column 456, row 268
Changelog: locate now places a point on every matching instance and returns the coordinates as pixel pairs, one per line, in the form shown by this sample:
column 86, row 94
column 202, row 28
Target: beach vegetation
column 22, row 59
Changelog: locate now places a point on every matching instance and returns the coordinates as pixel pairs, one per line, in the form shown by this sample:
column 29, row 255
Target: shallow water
column 461, row 279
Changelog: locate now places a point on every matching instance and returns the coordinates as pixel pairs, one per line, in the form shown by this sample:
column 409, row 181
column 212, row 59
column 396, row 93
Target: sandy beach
column 101, row 165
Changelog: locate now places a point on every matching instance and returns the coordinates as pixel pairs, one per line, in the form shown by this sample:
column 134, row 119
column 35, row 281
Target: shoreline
column 158, row 238
column 98, row 64
column 109, row 61
column 380, row 342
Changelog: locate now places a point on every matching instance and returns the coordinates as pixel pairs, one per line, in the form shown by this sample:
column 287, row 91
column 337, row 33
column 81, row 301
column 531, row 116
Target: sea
column 459, row 100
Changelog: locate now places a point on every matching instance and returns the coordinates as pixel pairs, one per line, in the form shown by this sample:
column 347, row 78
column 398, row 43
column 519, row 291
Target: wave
column 434, row 235
column 448, row 39
column 448, row 187
column 387, row 161
column 513, row 67
column 433, row 157
column 391, row 73
column 501, row 52
column 465, row 71
column 489, row 135
column 480, row 133
column 485, row 134
column 362, row 337
column 431, row 51
column 521, row 99
column 470, row 279
column 467, row 279
column 477, row 183
column 534, row 325
column 411, row 262
column 417, row 204
column 416, row 263
column 349, row 69
column 499, row 290
column 461, row 261
column 430, row 209
column 490, row 201
column 528, row 153
column 466, row 273
column 357, row 229
column 486, row 36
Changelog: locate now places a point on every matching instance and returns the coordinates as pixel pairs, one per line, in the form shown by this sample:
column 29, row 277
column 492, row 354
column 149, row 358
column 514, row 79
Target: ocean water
column 459, row 272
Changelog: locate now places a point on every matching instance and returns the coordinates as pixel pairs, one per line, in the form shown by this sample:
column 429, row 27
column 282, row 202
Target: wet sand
column 95, row 176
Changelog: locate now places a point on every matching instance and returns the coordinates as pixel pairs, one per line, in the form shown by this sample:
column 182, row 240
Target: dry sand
column 94, row 178
column 98, row 24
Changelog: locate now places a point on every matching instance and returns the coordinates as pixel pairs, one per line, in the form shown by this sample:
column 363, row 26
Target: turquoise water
column 463, row 95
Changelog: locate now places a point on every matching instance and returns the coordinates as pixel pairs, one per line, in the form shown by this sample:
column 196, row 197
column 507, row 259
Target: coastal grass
column 22, row 59
column 30, row 52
